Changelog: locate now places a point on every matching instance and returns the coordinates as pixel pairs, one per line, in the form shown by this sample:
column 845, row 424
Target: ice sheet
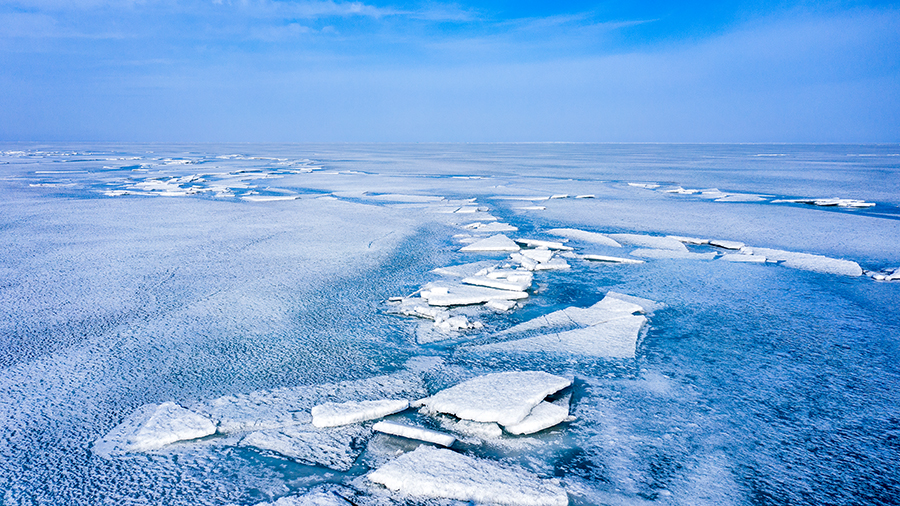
column 505, row 398
column 808, row 262
column 410, row 432
column 584, row 236
column 445, row 474
column 333, row 414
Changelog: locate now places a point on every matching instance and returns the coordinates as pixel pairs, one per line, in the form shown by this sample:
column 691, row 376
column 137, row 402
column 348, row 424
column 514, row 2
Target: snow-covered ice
column 444, row 474
column 505, row 397
column 410, row 432
column 333, row 414
column 152, row 427
column 543, row 416
column 494, row 243
column 741, row 257
column 810, row 262
column 584, row 236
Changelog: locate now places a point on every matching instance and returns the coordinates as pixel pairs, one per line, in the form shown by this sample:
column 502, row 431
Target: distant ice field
column 657, row 324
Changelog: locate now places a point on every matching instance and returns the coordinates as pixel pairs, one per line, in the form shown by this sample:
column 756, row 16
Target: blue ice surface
column 758, row 384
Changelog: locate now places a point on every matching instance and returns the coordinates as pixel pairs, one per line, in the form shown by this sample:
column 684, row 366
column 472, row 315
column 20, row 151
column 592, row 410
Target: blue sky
column 309, row 71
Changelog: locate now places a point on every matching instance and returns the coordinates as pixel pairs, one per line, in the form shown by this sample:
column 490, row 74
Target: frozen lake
column 722, row 319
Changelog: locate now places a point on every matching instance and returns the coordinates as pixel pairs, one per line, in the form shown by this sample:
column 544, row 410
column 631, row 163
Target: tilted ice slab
column 497, row 242
column 491, row 227
column 333, row 414
column 273, row 409
column 808, row 262
column 689, row 240
column 585, row 236
column 538, row 255
column 554, row 264
column 502, row 279
column 650, row 241
column 672, row 254
column 536, row 243
column 154, row 426
column 745, row 258
column 433, row 473
column 543, row 416
column 464, row 295
column 613, row 260
column 506, row 397
column 418, row 433
column 465, row 270
column 612, row 306
column 336, row 448
column 616, row 338
column 735, row 245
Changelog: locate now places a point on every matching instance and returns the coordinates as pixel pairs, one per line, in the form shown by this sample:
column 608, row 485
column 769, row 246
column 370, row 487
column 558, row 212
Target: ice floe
column 672, row 254
column 609, row 259
column 543, row 416
column 649, row 241
column 502, row 279
column 809, row 262
column 743, row 257
column 505, row 397
column 152, row 427
column 735, row 245
column 494, row 226
column 418, row 433
column 434, row 473
column 333, row 414
column 537, row 243
column 584, row 236
column 464, row 295
column 829, row 202
column 335, row 448
column 497, row 242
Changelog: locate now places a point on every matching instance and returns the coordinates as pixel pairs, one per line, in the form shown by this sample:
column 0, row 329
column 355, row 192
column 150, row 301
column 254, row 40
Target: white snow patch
column 333, row 414
column 410, row 432
column 435, row 473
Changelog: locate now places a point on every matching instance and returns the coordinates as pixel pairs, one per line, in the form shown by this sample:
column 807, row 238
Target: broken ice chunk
column 464, row 295
column 435, row 473
column 465, row 270
column 808, row 262
column 614, row 260
column 501, row 305
column 543, row 416
column 726, row 244
column 153, row 426
column 672, row 254
column 332, row 414
column 649, row 241
column 540, row 255
column 497, row 242
column 552, row 265
column 495, row 226
column 409, row 432
column 333, row 448
column 582, row 235
column 616, row 338
column 741, row 257
column 536, row 243
column 689, row 240
column 612, row 306
column 503, row 280
column 505, row 398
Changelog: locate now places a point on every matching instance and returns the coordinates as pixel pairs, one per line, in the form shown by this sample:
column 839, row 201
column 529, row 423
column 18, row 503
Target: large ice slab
column 465, row 270
column 464, row 295
column 650, row 241
column 671, row 254
column 612, row 260
column 502, row 279
column 333, row 414
column 809, row 262
column 612, row 306
column 585, row 236
column 152, row 427
column 410, row 432
column 543, row 416
column 494, row 226
column 506, row 397
column 433, row 473
column 334, row 448
column 273, row 409
column 497, row 242
column 616, row 338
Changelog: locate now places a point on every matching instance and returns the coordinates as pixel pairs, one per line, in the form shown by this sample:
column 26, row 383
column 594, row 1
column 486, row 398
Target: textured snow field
column 171, row 317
